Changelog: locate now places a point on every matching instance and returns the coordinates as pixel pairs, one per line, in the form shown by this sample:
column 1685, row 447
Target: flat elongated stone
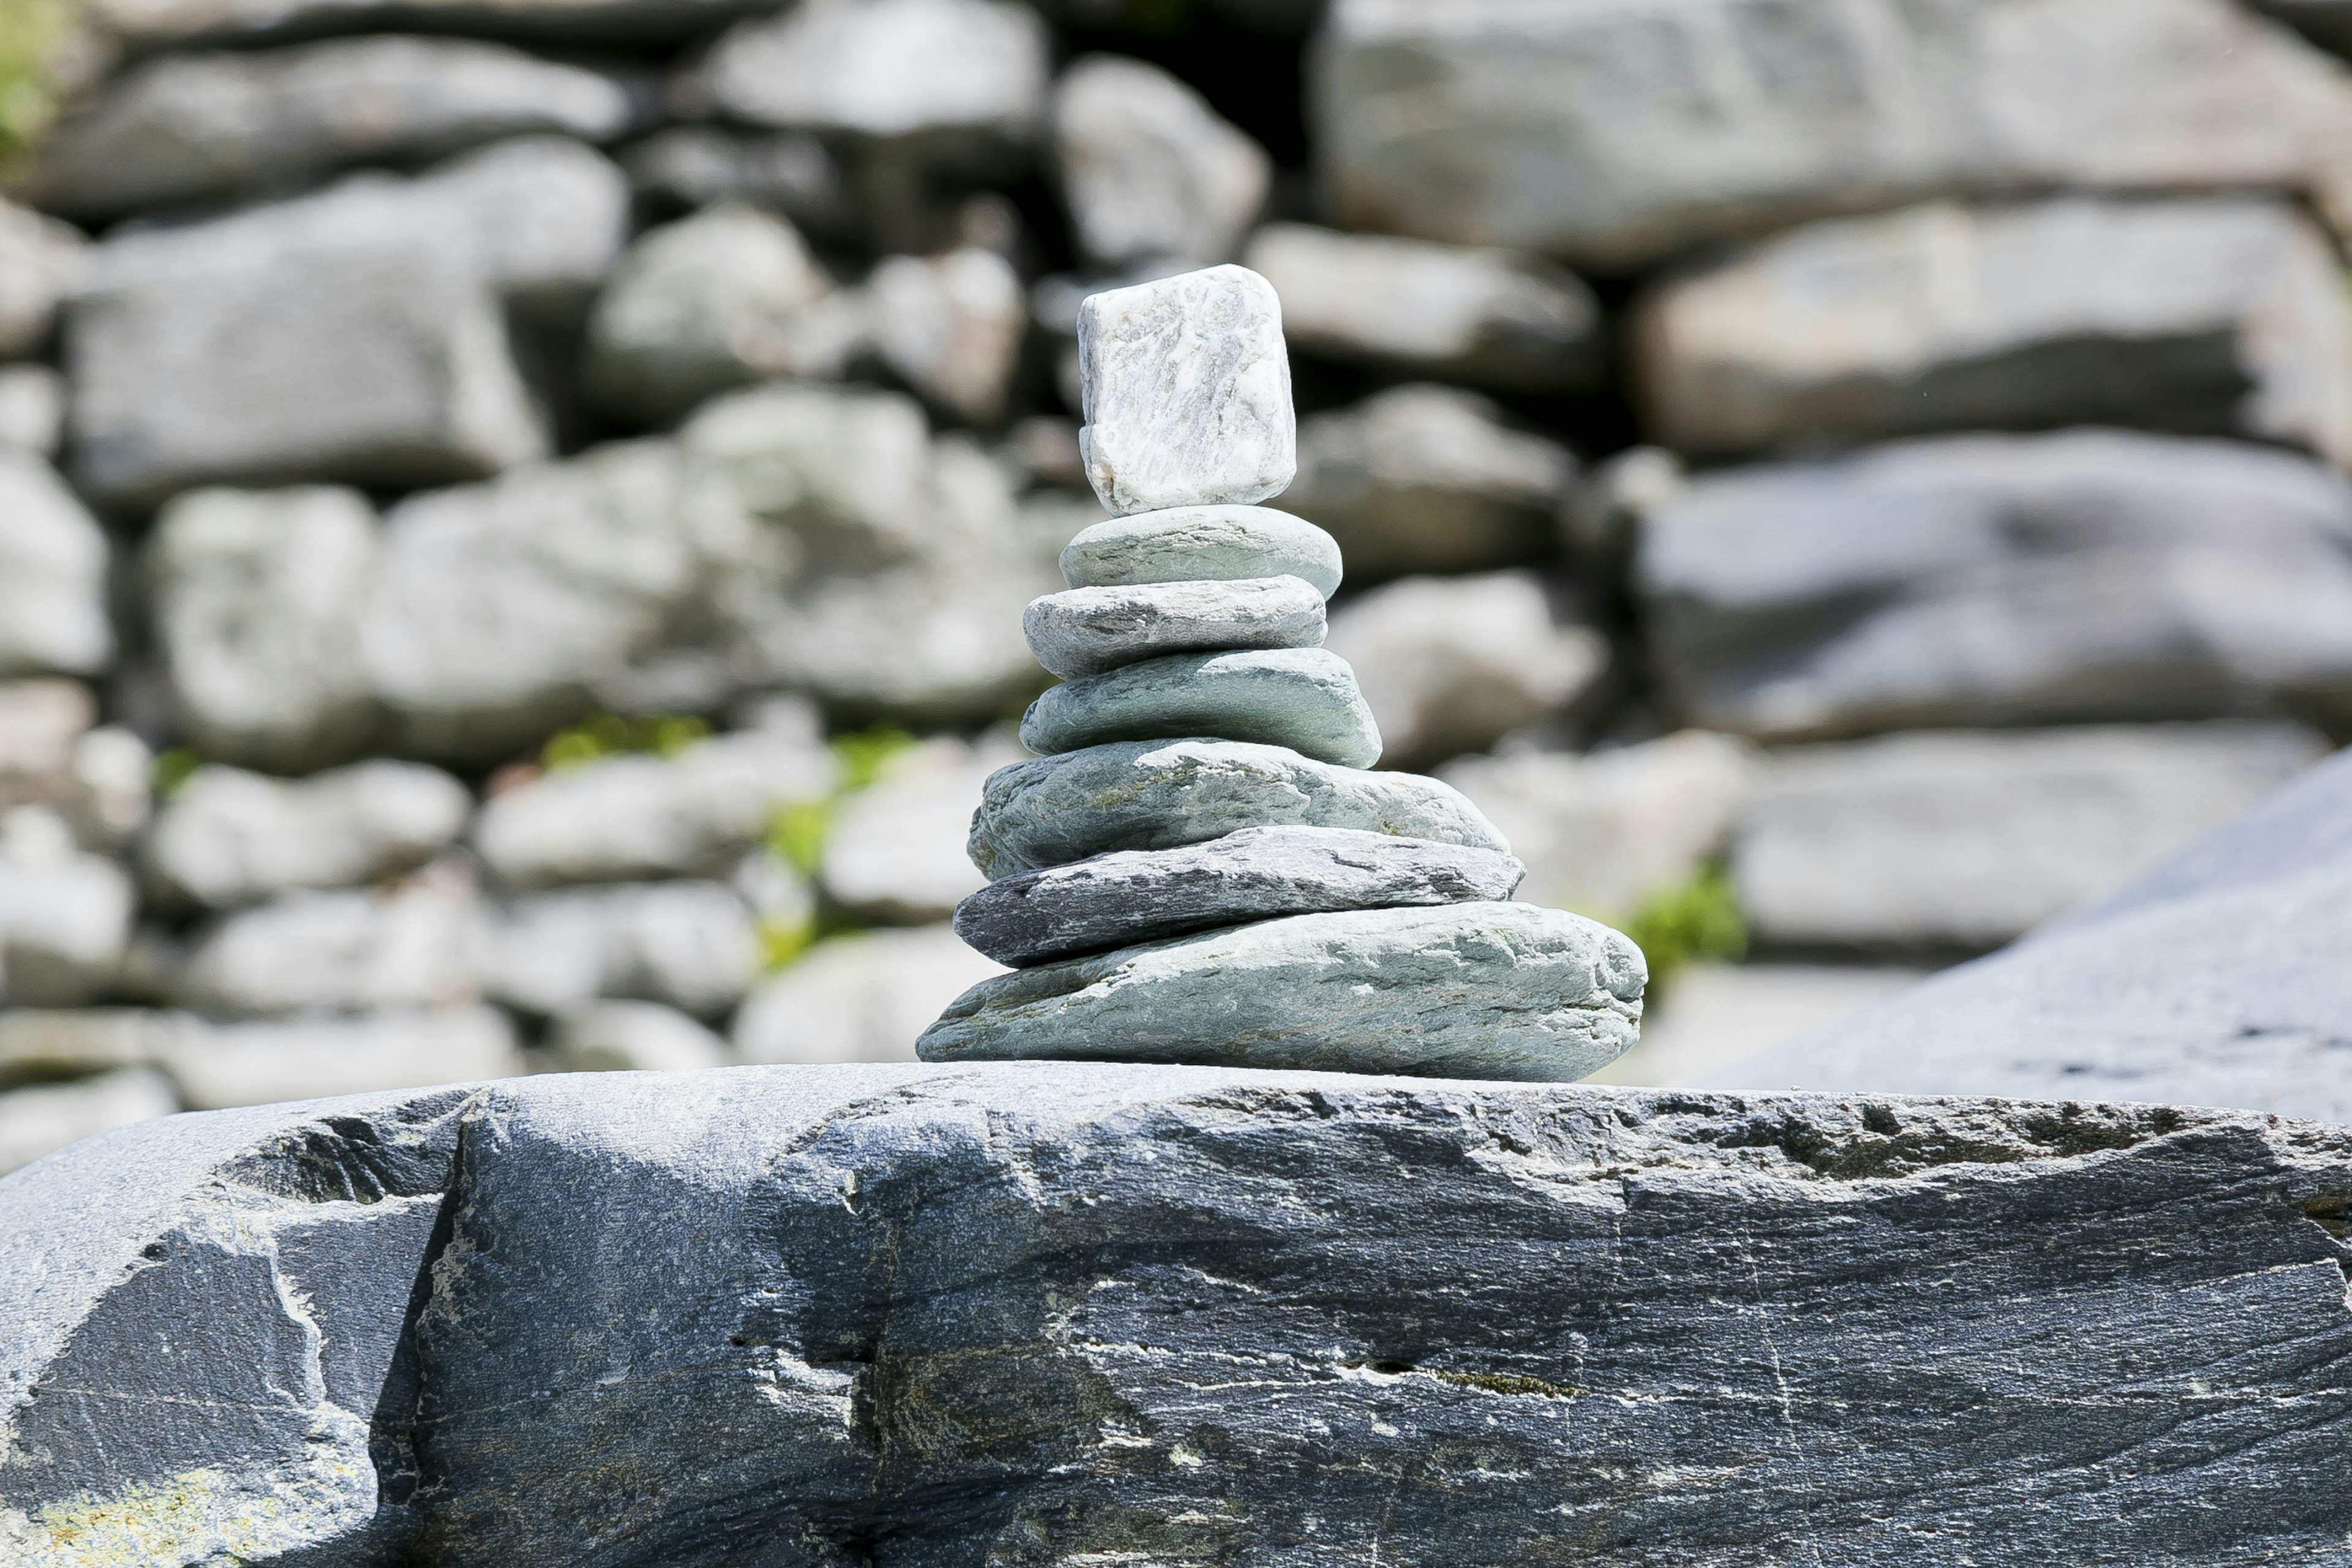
column 1187, row 392
column 1149, row 895
column 1484, row 991
column 1303, row 697
column 1202, row 544
column 1087, row 631
column 1157, row 794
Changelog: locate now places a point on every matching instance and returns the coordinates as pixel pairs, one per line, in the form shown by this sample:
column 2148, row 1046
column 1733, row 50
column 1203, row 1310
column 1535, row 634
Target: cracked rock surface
column 1042, row 1313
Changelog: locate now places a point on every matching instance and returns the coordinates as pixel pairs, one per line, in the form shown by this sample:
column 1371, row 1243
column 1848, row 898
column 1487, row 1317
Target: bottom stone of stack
column 1474, row 991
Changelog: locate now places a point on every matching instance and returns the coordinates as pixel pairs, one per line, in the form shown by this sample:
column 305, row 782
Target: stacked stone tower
column 1199, row 867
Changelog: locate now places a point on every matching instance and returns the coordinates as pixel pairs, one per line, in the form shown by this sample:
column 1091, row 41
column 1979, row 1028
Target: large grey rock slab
column 1477, row 990
column 1608, row 832
column 2212, row 980
column 1149, row 172
column 40, row 261
column 1491, row 318
column 532, row 1290
column 1304, row 699
column 65, row 921
column 1087, row 631
column 1614, row 135
column 893, row 851
column 951, row 326
column 2212, row 314
column 188, row 128
column 1187, row 393
column 53, row 568
column 254, row 601
column 863, row 996
column 728, row 296
column 1430, row 479
column 1994, row 580
column 158, row 24
column 347, row 950
column 43, row 1117
column 1969, row 839
column 1137, row 896
column 1449, row 664
column 227, row 837
column 1159, row 794
column 1202, row 544
column 690, row 945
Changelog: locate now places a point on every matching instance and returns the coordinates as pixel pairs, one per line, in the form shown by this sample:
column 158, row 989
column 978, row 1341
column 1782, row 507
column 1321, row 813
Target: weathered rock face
column 1617, row 134
column 962, row 1310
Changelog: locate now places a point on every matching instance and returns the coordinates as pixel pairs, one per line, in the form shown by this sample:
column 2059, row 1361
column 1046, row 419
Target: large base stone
column 1042, row 1313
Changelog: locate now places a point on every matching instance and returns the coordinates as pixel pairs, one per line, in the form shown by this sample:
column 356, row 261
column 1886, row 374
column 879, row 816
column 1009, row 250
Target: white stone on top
column 1187, row 393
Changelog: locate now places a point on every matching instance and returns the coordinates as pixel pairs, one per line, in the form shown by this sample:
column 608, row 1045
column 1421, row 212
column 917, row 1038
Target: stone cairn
column 1198, row 868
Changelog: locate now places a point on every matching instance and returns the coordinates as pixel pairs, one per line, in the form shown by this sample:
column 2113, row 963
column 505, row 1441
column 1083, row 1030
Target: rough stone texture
column 1149, row 172
column 1450, row 664
column 1969, row 839
column 1304, row 699
column 1606, row 833
column 52, row 575
column 43, row 1117
column 632, row 1036
column 1617, row 134
column 1633, row 1302
column 789, row 172
column 65, row 920
column 188, row 128
column 863, row 997
column 32, row 409
column 1500, row 318
column 412, row 945
column 626, row 819
column 40, row 258
column 2212, row 980
column 951, row 327
column 894, row 853
column 727, row 296
column 1479, row 991
column 1156, row 794
column 1187, row 392
column 159, row 22
column 1148, row 895
column 1087, row 631
column 1201, row 544
column 692, row 945
column 255, row 600
column 229, row 837
column 2214, row 315
column 1997, row 581
column 1429, row 478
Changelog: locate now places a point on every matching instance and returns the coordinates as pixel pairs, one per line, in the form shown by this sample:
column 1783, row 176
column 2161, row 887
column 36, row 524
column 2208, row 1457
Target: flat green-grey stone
column 1475, row 991
column 1302, row 698
column 1085, row 631
column 1202, row 544
column 1157, row 794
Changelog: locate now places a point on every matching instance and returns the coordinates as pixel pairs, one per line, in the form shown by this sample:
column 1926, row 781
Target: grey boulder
column 1157, row 795
column 1304, row 699
column 229, row 837
column 1149, row 172
column 1202, row 544
column 1477, row 990
column 1137, row 896
column 2217, row 315
column 1087, row 631
column 53, row 570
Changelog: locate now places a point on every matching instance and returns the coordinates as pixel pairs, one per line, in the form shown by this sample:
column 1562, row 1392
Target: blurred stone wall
column 514, row 513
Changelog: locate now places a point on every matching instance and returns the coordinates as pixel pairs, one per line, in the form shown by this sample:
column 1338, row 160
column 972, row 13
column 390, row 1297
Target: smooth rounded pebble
column 1149, row 895
column 1302, row 698
column 1475, row 991
column 1087, row 631
column 1157, row 794
column 1202, row 544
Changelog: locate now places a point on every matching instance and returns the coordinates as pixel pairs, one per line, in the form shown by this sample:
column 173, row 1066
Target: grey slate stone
column 1157, row 795
column 1478, row 991
column 2215, row 979
column 1149, row 895
column 186, row 128
column 1085, row 631
column 1304, row 699
column 1046, row 1274
column 1201, row 544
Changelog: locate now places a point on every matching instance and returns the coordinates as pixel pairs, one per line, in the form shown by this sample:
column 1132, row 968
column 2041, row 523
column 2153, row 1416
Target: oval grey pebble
column 1203, row 543
column 1157, row 794
column 1085, row 631
column 1302, row 698
column 1148, row 895
column 1474, row 991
